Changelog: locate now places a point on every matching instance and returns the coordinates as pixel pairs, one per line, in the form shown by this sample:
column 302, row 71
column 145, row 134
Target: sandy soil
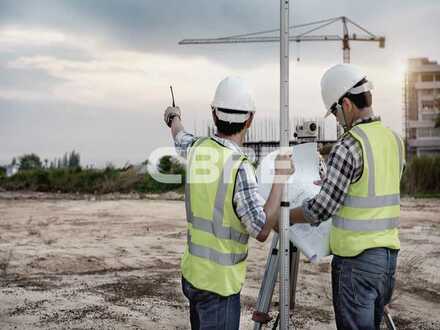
column 114, row 264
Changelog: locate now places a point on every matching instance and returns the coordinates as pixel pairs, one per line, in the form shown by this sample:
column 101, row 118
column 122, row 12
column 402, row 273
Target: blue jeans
column 362, row 286
column 210, row 311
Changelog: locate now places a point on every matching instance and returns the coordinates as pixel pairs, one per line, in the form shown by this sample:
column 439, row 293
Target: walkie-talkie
column 172, row 96
column 174, row 104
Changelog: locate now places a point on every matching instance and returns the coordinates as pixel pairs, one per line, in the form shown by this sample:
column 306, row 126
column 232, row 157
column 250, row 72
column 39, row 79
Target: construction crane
column 345, row 38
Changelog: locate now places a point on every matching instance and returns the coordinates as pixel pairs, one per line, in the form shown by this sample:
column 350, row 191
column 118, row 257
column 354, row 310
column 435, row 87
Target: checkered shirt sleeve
column 248, row 202
column 344, row 166
column 182, row 142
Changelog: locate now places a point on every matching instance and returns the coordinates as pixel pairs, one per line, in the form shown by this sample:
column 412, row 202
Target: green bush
column 76, row 180
column 167, row 165
column 149, row 184
column 422, row 176
column 36, row 180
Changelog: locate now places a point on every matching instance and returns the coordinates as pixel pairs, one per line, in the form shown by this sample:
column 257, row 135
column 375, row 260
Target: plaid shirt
column 247, row 201
column 344, row 166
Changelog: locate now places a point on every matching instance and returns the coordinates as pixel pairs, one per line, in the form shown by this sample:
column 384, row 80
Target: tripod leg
column 261, row 313
column 388, row 320
column 294, row 265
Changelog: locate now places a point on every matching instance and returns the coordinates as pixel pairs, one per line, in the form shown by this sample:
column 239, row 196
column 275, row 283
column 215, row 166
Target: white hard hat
column 339, row 80
column 233, row 94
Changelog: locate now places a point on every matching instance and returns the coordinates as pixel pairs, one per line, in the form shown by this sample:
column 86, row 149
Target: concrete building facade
column 422, row 107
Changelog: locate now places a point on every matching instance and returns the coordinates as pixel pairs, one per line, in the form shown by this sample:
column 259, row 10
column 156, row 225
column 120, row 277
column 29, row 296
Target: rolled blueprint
column 313, row 241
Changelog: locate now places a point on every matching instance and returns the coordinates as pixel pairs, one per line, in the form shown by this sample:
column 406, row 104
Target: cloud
column 156, row 26
column 117, row 79
column 100, row 135
column 72, row 73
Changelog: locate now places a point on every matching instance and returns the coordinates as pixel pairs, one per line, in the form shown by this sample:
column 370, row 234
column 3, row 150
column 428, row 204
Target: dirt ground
column 114, row 264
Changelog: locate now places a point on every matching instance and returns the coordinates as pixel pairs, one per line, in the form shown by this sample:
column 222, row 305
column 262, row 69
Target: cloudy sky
column 94, row 75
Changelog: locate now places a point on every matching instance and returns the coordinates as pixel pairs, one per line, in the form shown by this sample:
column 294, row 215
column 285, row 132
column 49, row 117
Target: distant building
column 421, row 107
column 11, row 170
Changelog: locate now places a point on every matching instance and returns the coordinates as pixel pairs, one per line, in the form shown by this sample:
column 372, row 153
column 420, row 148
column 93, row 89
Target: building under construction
column 421, row 113
column 263, row 136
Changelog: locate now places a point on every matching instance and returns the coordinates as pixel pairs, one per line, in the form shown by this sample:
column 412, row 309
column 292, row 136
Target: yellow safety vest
column 369, row 215
column 217, row 244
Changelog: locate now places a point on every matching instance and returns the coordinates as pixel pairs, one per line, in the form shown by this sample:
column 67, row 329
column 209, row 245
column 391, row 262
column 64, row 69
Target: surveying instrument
column 306, row 132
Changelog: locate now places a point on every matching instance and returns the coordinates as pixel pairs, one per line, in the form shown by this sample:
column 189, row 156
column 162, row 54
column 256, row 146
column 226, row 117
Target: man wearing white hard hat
column 223, row 207
column 361, row 193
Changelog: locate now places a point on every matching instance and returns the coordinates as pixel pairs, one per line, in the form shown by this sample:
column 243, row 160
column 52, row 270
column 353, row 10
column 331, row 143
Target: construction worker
column 361, row 193
column 223, row 207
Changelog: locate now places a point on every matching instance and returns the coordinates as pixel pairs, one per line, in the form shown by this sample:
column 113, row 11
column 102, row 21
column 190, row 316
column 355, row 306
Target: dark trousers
column 362, row 286
column 209, row 311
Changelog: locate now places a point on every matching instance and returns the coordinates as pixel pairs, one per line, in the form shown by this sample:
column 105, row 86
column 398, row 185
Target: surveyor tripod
column 261, row 314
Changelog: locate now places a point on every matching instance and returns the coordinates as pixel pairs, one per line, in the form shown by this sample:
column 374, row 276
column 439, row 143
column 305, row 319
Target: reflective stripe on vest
column 225, row 259
column 365, row 224
column 215, row 227
column 371, row 201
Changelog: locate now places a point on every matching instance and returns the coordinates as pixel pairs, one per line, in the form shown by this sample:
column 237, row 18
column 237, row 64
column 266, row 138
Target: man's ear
column 214, row 117
column 249, row 120
column 347, row 105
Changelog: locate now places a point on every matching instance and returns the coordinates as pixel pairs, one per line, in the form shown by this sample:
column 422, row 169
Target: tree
column 109, row 166
column 165, row 164
column 69, row 160
column 30, row 162
column 65, row 162
column 74, row 160
column 437, row 105
column 170, row 165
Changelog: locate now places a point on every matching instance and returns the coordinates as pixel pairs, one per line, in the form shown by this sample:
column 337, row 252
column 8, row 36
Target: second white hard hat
column 340, row 79
column 233, row 94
